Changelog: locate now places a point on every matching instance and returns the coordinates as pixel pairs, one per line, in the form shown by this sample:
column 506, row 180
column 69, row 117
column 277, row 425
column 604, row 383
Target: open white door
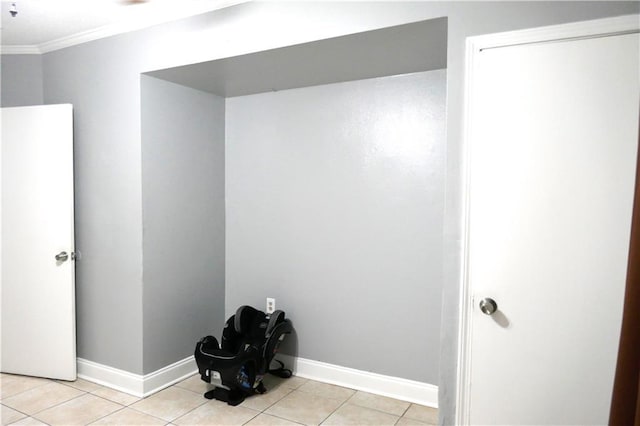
column 38, row 289
column 553, row 141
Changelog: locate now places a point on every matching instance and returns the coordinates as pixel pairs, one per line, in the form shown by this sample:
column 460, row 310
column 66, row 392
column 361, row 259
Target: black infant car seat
column 250, row 340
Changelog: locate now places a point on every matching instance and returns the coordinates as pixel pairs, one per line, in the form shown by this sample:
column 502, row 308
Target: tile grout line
column 340, row 406
column 104, row 397
column 122, row 407
column 378, row 410
column 257, row 414
column 53, row 406
column 27, row 390
column 263, row 411
column 17, row 411
column 100, row 418
column 271, row 405
column 184, row 414
column 152, row 415
column 80, row 396
column 405, row 410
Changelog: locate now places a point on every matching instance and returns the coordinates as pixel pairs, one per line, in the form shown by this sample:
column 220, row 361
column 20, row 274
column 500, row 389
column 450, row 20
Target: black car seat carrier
column 236, row 367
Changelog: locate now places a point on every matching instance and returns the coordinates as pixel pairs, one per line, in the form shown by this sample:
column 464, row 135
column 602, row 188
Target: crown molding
column 91, row 35
column 20, row 50
column 110, row 30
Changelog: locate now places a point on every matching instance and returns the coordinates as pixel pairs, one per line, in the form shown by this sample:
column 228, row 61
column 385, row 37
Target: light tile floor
column 294, row 401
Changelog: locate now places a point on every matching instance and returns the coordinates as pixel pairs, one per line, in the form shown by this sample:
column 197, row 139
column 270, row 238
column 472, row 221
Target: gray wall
column 335, row 198
column 21, row 77
column 183, row 219
column 102, row 80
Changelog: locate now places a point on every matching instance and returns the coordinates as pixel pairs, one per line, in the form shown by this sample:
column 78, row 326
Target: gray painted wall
column 335, row 201
column 183, row 219
column 21, row 77
column 102, row 80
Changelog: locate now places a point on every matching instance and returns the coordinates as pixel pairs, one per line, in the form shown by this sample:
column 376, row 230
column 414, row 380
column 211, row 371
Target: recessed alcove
column 313, row 174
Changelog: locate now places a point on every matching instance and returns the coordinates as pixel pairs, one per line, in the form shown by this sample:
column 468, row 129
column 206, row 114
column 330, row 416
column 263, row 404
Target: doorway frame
column 474, row 45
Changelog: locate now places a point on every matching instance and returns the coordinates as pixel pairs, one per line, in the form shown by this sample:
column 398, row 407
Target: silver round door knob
column 488, row 306
column 62, row 256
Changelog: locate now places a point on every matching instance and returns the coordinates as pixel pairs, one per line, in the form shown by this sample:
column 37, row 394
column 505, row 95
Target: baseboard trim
column 169, row 375
column 136, row 384
column 393, row 387
column 148, row 384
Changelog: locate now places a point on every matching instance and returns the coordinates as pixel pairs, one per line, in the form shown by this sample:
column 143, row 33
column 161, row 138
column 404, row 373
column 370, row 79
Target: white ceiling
column 45, row 25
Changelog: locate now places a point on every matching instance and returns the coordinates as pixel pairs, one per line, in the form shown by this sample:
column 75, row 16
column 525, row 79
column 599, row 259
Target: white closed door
column 38, row 290
column 553, row 147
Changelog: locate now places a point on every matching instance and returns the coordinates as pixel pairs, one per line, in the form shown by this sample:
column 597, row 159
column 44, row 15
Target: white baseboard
column 145, row 385
column 393, row 387
column 136, row 384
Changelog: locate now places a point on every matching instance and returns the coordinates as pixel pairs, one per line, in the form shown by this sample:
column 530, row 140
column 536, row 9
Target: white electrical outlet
column 271, row 305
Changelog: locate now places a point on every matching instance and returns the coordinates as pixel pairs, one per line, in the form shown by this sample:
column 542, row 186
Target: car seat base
column 231, row 397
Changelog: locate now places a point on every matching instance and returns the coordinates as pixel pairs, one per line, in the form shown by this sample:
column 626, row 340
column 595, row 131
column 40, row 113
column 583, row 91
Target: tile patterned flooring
column 294, row 401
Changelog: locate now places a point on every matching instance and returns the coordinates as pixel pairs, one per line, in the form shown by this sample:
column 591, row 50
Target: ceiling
column 45, row 25
column 402, row 49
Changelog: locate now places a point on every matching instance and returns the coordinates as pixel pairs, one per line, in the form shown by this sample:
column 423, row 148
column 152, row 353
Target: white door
column 38, row 291
column 553, row 142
